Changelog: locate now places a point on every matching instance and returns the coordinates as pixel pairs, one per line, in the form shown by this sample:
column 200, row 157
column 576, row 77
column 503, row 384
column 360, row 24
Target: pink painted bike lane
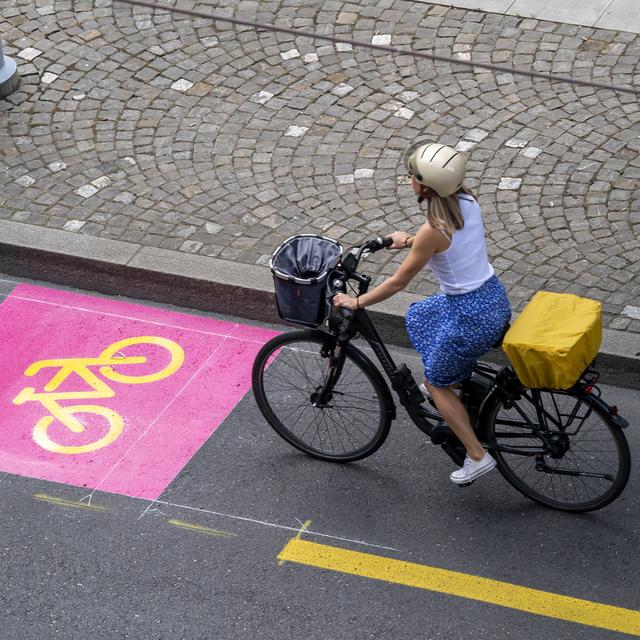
column 111, row 395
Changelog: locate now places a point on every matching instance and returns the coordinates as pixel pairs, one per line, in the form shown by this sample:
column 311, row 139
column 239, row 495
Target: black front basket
column 301, row 266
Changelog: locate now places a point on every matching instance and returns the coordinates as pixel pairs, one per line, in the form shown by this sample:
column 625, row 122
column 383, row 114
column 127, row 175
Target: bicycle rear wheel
column 288, row 374
column 578, row 462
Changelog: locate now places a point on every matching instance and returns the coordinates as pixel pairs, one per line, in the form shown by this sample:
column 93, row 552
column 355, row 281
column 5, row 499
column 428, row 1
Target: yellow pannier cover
column 555, row 338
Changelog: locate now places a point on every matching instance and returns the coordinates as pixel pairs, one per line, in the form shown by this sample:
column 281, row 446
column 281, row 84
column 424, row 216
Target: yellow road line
column 463, row 585
column 200, row 529
column 60, row 502
column 306, row 524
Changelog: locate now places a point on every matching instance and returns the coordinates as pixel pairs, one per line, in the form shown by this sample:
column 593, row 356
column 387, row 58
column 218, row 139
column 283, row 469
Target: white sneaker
column 472, row 469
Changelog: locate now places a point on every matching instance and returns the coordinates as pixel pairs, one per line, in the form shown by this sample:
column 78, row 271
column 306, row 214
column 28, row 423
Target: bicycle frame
column 429, row 423
column 503, row 386
column 530, row 431
column 401, row 378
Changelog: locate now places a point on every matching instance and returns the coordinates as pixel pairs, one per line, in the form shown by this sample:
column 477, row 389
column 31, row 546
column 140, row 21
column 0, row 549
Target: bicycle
column 564, row 449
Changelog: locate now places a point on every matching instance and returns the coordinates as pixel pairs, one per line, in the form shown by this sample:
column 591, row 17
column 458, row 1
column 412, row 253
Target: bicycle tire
column 552, row 488
column 285, row 358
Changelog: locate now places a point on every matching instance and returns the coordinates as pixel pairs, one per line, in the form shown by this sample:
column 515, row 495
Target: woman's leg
column 455, row 415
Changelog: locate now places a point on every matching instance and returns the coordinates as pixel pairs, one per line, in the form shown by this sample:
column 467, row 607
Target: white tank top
column 464, row 266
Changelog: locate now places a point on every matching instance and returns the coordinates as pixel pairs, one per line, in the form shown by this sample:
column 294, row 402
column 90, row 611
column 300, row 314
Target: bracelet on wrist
column 358, row 302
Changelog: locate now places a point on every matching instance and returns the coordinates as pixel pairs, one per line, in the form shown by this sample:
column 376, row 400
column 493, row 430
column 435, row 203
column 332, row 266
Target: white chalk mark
column 275, row 526
column 152, row 423
column 117, row 315
column 149, row 508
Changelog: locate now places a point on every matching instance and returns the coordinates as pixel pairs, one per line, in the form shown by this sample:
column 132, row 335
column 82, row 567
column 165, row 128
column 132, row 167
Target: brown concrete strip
column 198, row 267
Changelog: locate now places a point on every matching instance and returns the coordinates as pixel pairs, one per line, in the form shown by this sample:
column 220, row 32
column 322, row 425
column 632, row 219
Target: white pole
column 9, row 78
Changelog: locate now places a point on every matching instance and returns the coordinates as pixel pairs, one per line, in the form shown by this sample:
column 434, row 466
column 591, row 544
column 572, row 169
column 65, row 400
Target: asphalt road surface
column 196, row 521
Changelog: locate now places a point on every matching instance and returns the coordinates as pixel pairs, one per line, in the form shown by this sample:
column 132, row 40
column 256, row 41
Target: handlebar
column 350, row 262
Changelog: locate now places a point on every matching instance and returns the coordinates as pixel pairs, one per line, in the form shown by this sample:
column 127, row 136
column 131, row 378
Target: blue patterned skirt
column 451, row 332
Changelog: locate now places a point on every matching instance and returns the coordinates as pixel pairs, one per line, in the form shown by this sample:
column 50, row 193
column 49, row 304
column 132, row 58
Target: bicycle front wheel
column 350, row 423
column 564, row 453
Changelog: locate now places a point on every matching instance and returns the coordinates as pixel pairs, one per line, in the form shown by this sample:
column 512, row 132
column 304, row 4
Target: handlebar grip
column 347, row 314
column 377, row 244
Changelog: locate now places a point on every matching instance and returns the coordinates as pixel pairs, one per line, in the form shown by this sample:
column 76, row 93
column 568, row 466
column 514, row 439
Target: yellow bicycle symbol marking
column 106, row 362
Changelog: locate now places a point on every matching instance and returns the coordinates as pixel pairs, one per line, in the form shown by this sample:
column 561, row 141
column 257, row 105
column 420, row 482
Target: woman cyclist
column 452, row 328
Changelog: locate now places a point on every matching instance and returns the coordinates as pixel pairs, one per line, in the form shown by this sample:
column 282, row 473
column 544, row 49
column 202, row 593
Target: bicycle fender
column 486, row 407
column 608, row 413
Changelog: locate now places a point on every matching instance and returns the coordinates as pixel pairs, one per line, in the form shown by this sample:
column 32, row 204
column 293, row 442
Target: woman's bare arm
column 426, row 242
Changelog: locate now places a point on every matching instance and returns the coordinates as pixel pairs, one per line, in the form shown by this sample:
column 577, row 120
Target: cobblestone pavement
column 222, row 141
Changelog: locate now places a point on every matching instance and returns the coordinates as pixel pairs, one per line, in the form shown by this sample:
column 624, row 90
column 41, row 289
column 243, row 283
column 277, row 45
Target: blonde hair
column 444, row 213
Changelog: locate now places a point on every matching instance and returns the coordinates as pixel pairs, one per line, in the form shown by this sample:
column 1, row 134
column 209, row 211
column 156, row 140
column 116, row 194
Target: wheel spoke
column 581, row 441
column 353, row 420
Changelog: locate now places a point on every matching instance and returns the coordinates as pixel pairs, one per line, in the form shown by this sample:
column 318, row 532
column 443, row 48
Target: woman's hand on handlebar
column 346, row 302
column 399, row 239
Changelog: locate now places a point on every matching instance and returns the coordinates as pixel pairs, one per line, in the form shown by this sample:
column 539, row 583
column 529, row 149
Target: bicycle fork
column 335, row 363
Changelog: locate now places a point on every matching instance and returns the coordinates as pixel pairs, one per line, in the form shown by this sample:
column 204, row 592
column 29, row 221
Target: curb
column 115, row 267
column 610, row 18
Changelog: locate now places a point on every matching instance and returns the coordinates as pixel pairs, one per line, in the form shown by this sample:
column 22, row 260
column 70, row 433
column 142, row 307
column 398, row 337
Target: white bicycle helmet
column 436, row 166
